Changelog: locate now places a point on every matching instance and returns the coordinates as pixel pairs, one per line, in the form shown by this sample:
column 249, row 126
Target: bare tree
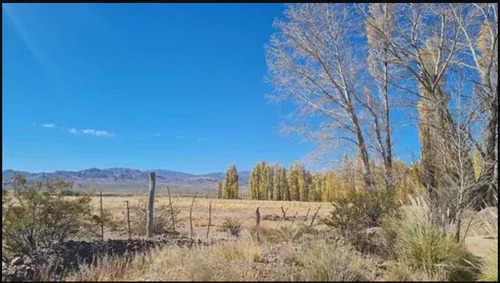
column 431, row 55
column 425, row 41
column 380, row 17
column 478, row 26
column 460, row 186
column 314, row 60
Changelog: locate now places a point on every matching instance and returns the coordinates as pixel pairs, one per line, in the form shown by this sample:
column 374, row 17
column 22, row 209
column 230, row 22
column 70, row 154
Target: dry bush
column 162, row 217
column 233, row 226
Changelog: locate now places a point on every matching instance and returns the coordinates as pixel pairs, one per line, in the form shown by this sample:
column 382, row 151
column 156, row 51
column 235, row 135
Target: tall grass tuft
column 489, row 272
column 331, row 262
column 425, row 248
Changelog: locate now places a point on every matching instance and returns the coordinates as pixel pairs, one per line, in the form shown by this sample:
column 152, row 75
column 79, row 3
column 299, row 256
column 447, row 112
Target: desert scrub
column 425, row 248
column 162, row 218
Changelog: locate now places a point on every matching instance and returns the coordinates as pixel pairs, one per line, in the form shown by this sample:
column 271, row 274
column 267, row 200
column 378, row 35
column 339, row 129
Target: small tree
column 233, row 226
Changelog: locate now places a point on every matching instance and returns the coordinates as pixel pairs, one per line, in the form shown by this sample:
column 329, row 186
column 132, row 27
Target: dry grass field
column 478, row 238
column 240, row 210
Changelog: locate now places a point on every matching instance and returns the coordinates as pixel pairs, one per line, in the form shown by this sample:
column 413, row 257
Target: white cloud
column 49, row 125
column 97, row 133
column 73, row 131
column 158, row 135
column 179, row 137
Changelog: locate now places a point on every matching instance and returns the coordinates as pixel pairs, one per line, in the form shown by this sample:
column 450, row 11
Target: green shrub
column 423, row 247
column 233, row 226
column 38, row 215
column 355, row 211
column 349, row 214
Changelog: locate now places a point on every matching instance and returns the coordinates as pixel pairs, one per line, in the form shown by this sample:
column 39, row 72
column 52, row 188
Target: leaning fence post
column 314, row 216
column 209, row 218
column 307, row 214
column 152, row 184
column 102, row 219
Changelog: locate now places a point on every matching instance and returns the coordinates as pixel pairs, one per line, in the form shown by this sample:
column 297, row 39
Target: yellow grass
column 244, row 260
column 241, row 210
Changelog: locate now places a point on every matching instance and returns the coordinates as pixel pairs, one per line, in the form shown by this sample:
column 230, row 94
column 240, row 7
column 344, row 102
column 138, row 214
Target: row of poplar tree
column 275, row 182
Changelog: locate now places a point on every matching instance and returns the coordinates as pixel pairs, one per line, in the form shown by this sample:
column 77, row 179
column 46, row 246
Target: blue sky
column 145, row 86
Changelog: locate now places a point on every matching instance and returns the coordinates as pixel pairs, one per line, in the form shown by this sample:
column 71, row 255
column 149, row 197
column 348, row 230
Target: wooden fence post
column 152, row 185
column 191, row 218
column 102, row 219
column 128, row 220
column 295, row 217
column 307, row 214
column 209, row 218
column 171, row 210
column 284, row 213
column 257, row 217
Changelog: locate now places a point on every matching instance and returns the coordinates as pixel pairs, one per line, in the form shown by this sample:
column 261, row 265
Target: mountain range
column 119, row 177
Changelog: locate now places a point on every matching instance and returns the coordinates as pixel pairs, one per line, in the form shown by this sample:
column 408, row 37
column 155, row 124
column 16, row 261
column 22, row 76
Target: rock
column 17, row 261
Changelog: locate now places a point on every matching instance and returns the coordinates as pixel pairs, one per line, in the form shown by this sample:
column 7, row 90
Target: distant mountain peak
column 126, row 176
